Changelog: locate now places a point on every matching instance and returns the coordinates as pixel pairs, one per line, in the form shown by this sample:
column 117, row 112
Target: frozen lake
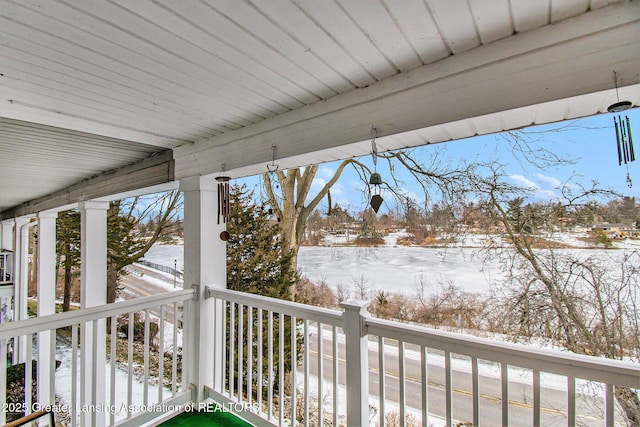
column 394, row 268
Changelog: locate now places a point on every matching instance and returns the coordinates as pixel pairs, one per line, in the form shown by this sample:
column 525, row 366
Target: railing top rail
column 609, row 371
column 61, row 320
column 302, row 311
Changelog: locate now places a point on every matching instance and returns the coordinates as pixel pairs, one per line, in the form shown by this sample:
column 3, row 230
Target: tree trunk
column 630, row 403
column 290, row 208
column 66, row 298
column 66, row 292
column 112, row 284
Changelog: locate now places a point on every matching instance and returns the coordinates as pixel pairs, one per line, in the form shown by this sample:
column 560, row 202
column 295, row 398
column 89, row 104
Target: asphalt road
column 553, row 405
column 134, row 285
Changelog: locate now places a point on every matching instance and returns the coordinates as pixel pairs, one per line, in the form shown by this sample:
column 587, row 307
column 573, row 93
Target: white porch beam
column 46, row 303
column 149, row 175
column 568, row 59
column 93, row 292
column 205, row 256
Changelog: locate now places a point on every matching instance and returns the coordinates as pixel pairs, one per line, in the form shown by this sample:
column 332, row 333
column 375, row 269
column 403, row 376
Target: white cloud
column 524, row 182
column 550, row 181
column 546, row 187
column 325, row 172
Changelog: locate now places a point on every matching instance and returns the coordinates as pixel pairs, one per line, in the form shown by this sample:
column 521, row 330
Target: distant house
column 616, row 230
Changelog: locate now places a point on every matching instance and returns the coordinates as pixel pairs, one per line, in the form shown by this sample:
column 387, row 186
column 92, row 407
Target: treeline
column 424, row 224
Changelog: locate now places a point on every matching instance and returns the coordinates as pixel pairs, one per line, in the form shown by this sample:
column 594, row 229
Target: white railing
column 107, row 348
column 260, row 375
column 515, row 379
column 352, row 369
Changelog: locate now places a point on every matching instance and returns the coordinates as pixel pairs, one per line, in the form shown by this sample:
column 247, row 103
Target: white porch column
column 357, row 362
column 46, row 303
column 204, row 264
column 6, row 241
column 20, row 281
column 93, row 292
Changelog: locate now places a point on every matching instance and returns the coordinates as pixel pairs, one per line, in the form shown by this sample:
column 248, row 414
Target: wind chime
column 624, row 140
column 272, row 169
column 223, row 196
column 375, row 180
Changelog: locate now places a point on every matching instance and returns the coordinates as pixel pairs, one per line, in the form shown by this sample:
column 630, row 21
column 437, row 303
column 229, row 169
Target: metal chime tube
column 615, row 122
column 223, row 201
column 633, row 156
column 623, row 138
column 220, row 202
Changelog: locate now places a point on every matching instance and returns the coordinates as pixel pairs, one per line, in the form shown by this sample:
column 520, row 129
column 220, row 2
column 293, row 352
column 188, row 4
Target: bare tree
column 579, row 302
column 127, row 241
column 289, row 192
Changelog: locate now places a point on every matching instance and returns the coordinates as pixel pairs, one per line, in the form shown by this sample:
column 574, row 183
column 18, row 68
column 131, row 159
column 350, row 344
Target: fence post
column 357, row 363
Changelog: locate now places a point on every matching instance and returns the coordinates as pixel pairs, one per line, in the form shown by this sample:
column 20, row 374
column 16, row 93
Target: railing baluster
column 306, row 372
column 240, row 349
column 225, row 346
column 571, row 401
column 609, row 406
column 320, row 377
column 187, row 306
column 174, row 355
column 146, row 359
column 381, row 379
column 448, row 388
column 280, row 369
column 424, row 376
column 249, row 354
column 3, row 379
column 97, row 382
column 536, row 397
column 336, row 398
column 232, row 347
column 475, row 385
column 130, row 338
column 74, row 375
column 112, row 356
column 294, row 366
column 260, row 373
column 28, row 375
column 270, row 364
column 504, row 377
column 161, row 356
column 401, row 377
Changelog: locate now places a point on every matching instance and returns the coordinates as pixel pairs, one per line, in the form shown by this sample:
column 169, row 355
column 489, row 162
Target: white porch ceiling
column 89, row 86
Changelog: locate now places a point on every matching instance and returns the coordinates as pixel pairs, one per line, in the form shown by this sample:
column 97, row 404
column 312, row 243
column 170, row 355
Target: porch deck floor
column 223, row 419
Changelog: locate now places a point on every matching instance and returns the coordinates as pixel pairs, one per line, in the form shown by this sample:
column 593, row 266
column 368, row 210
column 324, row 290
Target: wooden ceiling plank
column 530, row 14
column 246, row 46
column 566, row 9
column 81, row 72
column 135, row 69
column 456, row 24
column 340, row 26
column 419, row 28
column 380, row 28
column 340, row 70
column 492, row 19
